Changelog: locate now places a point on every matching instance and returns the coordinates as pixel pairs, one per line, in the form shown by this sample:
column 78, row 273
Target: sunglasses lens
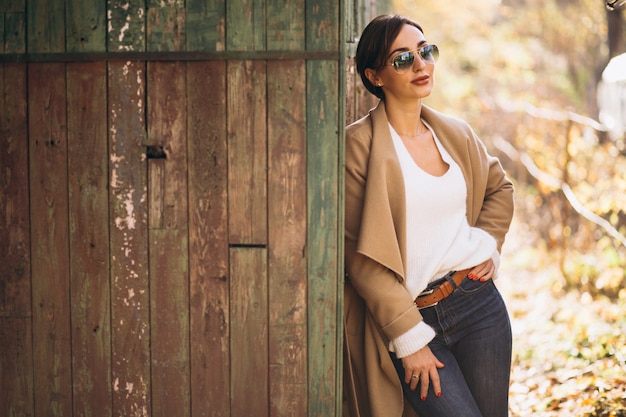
column 429, row 53
column 403, row 61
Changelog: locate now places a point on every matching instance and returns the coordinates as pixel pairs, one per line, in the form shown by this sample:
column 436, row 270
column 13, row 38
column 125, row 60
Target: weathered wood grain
column 285, row 25
column 287, row 237
column 13, row 33
column 12, row 6
column 89, row 238
column 322, row 25
column 15, row 291
column 249, row 332
column 206, row 25
column 165, row 25
column 126, row 25
column 208, row 239
column 16, row 379
column 322, row 155
column 45, row 26
column 247, row 152
column 169, row 317
column 245, row 25
column 167, row 129
column 85, row 26
column 49, row 239
column 130, row 301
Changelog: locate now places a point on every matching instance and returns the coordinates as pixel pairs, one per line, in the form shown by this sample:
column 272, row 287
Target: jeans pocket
column 469, row 286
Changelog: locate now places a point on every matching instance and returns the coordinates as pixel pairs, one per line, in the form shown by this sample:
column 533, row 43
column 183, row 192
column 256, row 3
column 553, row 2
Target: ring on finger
column 414, row 376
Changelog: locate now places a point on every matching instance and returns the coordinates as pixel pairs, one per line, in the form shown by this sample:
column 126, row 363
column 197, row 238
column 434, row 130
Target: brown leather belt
column 431, row 297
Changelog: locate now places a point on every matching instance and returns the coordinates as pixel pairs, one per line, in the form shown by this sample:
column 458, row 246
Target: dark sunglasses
column 404, row 60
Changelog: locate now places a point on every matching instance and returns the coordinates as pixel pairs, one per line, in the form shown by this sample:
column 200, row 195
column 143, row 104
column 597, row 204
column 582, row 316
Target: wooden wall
column 170, row 207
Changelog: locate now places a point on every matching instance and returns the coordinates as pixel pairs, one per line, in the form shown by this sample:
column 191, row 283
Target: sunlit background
column 535, row 80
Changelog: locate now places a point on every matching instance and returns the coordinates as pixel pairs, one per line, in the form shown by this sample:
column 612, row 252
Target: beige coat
column 375, row 248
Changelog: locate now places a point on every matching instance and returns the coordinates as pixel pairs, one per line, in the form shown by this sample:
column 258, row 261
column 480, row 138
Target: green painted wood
column 206, row 25
column 8, row 6
column 16, row 379
column 169, row 317
column 130, row 296
column 285, row 24
column 49, row 239
column 287, row 228
column 247, row 152
column 85, row 26
column 249, row 333
column 126, row 23
column 45, row 26
column 323, row 138
column 208, row 239
column 14, row 39
column 245, row 25
column 15, row 293
column 165, row 26
column 322, row 25
column 89, row 238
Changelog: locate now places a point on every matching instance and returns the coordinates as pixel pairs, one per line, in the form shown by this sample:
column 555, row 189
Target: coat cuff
column 413, row 340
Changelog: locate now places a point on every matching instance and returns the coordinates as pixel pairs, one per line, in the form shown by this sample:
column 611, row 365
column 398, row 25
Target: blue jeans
column 474, row 342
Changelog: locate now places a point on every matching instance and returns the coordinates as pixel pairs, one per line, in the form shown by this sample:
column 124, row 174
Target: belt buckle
column 426, row 292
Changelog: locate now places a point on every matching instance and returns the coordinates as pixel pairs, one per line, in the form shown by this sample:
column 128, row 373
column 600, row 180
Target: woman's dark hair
column 374, row 45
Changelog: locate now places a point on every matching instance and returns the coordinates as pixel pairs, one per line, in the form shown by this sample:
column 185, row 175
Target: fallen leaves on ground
column 569, row 355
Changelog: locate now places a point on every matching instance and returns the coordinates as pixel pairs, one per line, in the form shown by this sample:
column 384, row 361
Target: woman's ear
column 372, row 76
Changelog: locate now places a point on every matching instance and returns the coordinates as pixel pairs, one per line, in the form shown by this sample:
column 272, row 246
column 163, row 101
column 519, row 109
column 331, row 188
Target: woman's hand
column 483, row 271
column 422, row 366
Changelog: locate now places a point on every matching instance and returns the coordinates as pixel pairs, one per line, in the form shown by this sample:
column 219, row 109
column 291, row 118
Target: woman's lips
column 421, row 80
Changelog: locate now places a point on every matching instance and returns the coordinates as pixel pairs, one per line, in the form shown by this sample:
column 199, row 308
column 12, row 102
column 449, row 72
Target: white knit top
column 439, row 238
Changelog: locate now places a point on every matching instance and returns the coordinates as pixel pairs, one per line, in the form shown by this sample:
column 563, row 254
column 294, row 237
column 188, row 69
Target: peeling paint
column 129, row 221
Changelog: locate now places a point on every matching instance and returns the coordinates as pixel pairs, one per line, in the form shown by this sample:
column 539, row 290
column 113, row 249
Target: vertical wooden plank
column 169, row 312
column 85, row 28
column 15, row 290
column 49, row 239
column 12, row 6
column 206, row 25
column 14, row 39
column 130, row 302
column 126, row 23
column 46, row 26
column 285, row 25
column 167, row 123
column 287, row 238
column 323, row 138
column 245, row 25
column 89, row 238
column 322, row 25
column 168, row 223
column 16, row 378
column 249, row 332
column 166, row 25
column 247, row 153
column 208, row 239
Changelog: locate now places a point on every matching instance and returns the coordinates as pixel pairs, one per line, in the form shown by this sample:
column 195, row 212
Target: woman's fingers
column 421, row 368
column 483, row 271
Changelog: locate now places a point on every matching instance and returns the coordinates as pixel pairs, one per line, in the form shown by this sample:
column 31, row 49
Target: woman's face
column 413, row 81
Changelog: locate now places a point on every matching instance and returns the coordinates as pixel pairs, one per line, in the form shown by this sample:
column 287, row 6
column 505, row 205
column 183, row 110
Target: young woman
column 427, row 210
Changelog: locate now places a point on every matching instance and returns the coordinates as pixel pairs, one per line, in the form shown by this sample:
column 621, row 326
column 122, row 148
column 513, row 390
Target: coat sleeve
column 385, row 295
column 492, row 202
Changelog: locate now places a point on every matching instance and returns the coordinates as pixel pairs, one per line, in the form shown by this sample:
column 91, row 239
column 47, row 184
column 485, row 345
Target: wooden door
column 171, row 208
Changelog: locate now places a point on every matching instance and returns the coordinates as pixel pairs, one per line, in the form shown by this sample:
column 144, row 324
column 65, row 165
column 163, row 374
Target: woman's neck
column 405, row 119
